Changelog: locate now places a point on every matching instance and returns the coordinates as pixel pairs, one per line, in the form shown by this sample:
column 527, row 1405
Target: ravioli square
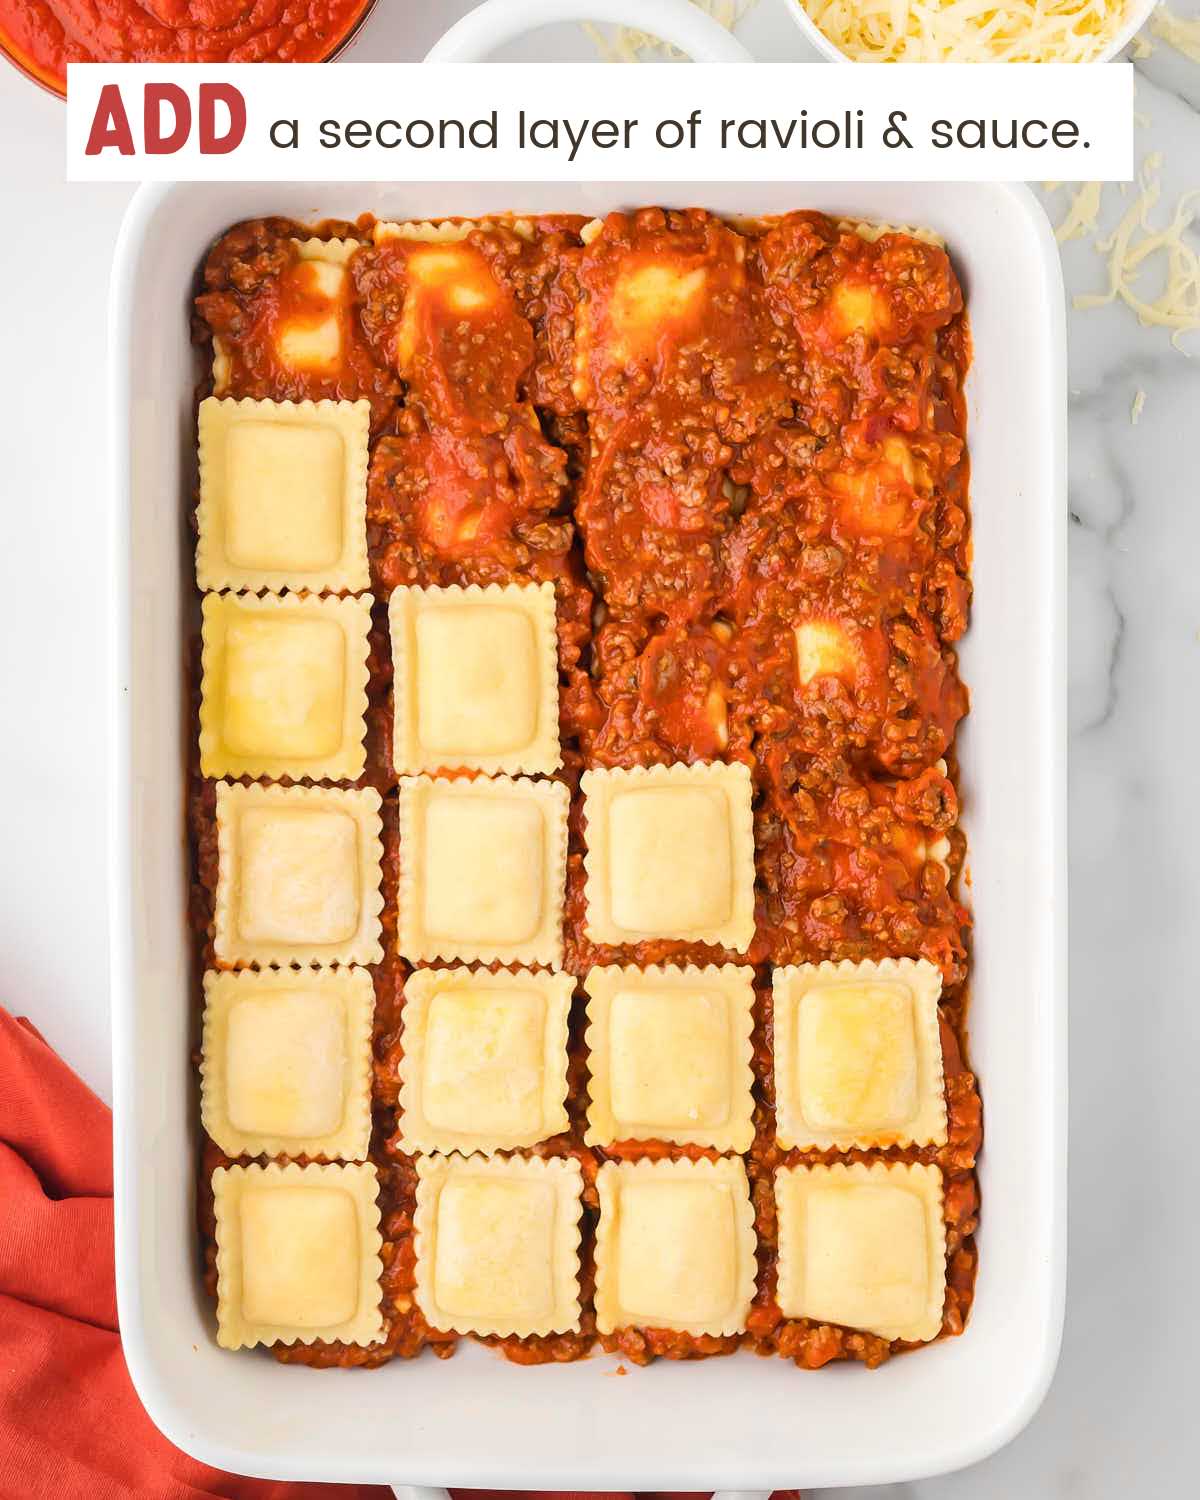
column 857, row 306
column 485, row 1059
column 287, row 1233
column 283, row 494
column 460, row 340
column 448, row 282
column 482, row 869
column 670, row 854
column 476, row 678
column 669, row 1054
column 297, row 1254
column 876, row 498
column 858, row 1055
column 298, row 875
column 309, row 339
column 675, row 1246
column 650, row 829
column 498, row 1244
column 308, row 322
column 825, row 648
column 863, row 1246
column 284, row 685
column 267, row 460
column 286, row 1062
column 284, row 689
column 280, row 902
column 648, row 296
column 311, row 344
column 289, row 1036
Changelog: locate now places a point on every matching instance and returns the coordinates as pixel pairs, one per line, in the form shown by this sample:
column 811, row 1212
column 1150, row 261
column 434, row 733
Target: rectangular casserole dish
column 740, row 1422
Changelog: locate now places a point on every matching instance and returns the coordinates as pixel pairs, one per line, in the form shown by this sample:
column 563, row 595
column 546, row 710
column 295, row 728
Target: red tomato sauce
column 43, row 36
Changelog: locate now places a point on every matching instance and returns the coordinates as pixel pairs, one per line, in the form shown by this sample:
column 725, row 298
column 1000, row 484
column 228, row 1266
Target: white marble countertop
column 1118, row 1418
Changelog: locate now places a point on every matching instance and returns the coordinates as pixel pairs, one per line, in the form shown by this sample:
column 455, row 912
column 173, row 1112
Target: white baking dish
column 476, row 1420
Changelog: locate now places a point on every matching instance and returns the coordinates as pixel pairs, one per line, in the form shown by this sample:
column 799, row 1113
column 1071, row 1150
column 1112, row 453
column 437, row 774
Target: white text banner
column 529, row 122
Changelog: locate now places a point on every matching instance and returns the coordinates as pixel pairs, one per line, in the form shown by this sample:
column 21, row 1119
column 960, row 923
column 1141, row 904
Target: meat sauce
column 739, row 455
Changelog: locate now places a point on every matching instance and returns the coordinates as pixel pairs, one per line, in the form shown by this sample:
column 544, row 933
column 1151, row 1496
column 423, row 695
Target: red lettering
column 212, row 94
column 158, row 94
column 110, row 124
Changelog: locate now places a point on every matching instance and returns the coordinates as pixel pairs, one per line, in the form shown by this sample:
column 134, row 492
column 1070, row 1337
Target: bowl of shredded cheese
column 985, row 31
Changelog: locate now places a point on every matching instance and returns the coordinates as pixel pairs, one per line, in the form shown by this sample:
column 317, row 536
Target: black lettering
column 971, row 134
column 290, row 131
column 752, row 134
column 574, row 136
column 783, row 137
column 893, row 136
column 448, row 127
column 484, row 133
column 979, row 134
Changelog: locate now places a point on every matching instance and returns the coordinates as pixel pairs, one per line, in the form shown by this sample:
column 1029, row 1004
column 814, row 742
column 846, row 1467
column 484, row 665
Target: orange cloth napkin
column 70, row 1421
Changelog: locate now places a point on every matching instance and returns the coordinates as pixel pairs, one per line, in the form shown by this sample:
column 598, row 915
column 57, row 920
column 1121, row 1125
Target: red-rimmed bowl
column 40, row 15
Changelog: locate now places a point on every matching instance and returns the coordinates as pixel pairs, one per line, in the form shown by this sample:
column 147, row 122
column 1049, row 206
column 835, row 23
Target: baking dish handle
column 490, row 25
column 422, row 1492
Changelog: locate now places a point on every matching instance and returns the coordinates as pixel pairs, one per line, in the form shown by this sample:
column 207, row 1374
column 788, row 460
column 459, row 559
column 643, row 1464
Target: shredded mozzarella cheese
column 969, row 30
column 1180, row 32
column 624, row 44
column 1135, row 245
column 1083, row 213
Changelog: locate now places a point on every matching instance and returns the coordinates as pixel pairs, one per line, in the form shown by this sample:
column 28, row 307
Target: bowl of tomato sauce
column 40, row 37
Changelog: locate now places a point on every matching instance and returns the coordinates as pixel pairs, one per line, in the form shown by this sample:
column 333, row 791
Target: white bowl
column 487, row 27
column 1139, row 14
